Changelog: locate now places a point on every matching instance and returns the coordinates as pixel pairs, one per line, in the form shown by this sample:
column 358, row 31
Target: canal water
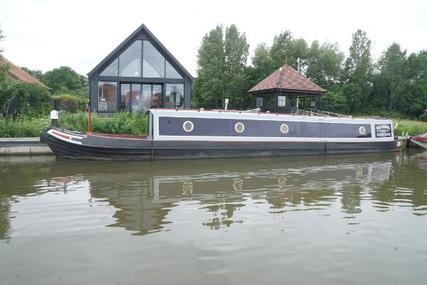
column 301, row 220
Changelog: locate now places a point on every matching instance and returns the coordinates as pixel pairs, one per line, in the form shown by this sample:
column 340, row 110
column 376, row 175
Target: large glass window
column 153, row 62
column 130, row 61
column 156, row 98
column 171, row 72
column 136, row 97
column 174, row 96
column 107, row 96
column 112, row 69
column 125, row 97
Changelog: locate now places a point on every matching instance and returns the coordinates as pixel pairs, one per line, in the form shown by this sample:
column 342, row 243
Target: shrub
column 423, row 117
column 67, row 102
column 119, row 123
column 19, row 99
column 22, row 127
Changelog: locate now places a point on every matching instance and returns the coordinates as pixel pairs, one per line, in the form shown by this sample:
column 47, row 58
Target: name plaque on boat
column 382, row 130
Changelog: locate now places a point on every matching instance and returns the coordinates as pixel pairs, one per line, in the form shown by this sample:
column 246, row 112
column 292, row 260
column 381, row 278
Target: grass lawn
column 411, row 127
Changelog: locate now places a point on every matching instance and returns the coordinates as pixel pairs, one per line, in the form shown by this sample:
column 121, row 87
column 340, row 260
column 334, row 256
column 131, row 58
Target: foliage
column 23, row 127
column 69, row 103
column 222, row 58
column 423, row 117
column 19, row 98
column 357, row 73
column 119, row 123
column 64, row 79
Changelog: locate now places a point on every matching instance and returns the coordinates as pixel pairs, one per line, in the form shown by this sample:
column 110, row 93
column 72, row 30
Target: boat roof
column 254, row 114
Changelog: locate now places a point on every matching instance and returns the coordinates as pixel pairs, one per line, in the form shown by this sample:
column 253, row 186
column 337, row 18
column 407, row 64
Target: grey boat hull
column 73, row 145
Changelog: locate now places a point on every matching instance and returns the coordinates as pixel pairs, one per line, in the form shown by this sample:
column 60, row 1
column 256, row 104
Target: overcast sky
column 44, row 34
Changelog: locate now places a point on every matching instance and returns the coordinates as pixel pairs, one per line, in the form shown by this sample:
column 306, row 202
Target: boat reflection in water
column 147, row 196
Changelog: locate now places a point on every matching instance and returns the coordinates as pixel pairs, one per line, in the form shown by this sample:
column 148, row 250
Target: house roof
column 286, row 79
column 151, row 37
column 17, row 73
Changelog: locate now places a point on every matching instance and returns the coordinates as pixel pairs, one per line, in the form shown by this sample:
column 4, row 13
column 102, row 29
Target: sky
column 44, row 34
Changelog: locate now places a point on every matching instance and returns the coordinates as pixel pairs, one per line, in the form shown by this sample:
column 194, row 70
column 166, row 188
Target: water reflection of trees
column 144, row 194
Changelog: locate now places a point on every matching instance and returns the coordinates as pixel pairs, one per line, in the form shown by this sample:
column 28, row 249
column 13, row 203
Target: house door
column 136, row 97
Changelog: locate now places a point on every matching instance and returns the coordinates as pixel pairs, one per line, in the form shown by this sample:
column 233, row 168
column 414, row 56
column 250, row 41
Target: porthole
column 362, row 131
column 284, row 128
column 188, row 126
column 239, row 127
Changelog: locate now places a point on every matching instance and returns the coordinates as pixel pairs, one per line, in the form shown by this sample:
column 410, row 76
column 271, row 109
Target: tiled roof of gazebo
column 286, row 79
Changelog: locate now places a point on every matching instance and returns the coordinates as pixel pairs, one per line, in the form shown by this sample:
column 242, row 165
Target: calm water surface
column 312, row 220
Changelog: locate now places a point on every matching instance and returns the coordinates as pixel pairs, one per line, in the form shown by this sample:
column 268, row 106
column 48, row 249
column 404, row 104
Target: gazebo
column 285, row 90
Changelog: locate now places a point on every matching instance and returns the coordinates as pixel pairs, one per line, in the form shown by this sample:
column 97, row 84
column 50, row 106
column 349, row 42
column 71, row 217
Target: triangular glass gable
column 154, row 62
column 112, row 69
column 130, row 60
column 171, row 72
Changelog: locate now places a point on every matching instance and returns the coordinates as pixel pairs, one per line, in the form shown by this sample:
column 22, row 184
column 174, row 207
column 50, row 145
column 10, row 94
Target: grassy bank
column 119, row 123
column 411, row 127
column 28, row 127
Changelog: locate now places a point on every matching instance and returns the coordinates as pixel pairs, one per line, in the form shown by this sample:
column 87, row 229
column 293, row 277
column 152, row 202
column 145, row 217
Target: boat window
column 284, row 128
column 239, row 127
column 112, row 69
column 153, row 62
column 188, row 126
column 130, row 61
column 362, row 131
column 107, row 96
column 174, row 96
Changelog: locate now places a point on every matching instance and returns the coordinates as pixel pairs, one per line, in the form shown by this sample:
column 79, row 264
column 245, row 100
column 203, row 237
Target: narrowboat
column 184, row 134
column 420, row 140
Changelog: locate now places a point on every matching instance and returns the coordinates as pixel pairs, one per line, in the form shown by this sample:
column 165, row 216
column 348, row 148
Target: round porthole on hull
column 362, row 131
column 188, row 126
column 284, row 128
column 239, row 127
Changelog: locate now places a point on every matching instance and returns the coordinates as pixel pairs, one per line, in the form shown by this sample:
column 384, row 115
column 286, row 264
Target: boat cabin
column 138, row 75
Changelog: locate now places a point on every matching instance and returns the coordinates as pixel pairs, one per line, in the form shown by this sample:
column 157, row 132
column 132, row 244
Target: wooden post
column 89, row 121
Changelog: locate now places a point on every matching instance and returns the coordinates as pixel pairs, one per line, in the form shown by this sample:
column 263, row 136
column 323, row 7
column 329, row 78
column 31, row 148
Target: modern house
column 16, row 73
column 286, row 89
column 138, row 75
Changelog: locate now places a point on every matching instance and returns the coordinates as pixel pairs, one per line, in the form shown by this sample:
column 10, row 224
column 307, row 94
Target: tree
column 281, row 49
column 64, row 79
column 324, row 64
column 221, row 64
column 415, row 100
column 358, row 71
column 390, row 83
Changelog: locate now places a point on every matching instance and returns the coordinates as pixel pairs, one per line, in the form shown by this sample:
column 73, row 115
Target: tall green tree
column 415, row 100
column 222, row 59
column 324, row 64
column 358, row 71
column 64, row 79
column 391, row 81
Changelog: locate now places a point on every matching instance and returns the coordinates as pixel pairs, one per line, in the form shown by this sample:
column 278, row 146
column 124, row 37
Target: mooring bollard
column 54, row 119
